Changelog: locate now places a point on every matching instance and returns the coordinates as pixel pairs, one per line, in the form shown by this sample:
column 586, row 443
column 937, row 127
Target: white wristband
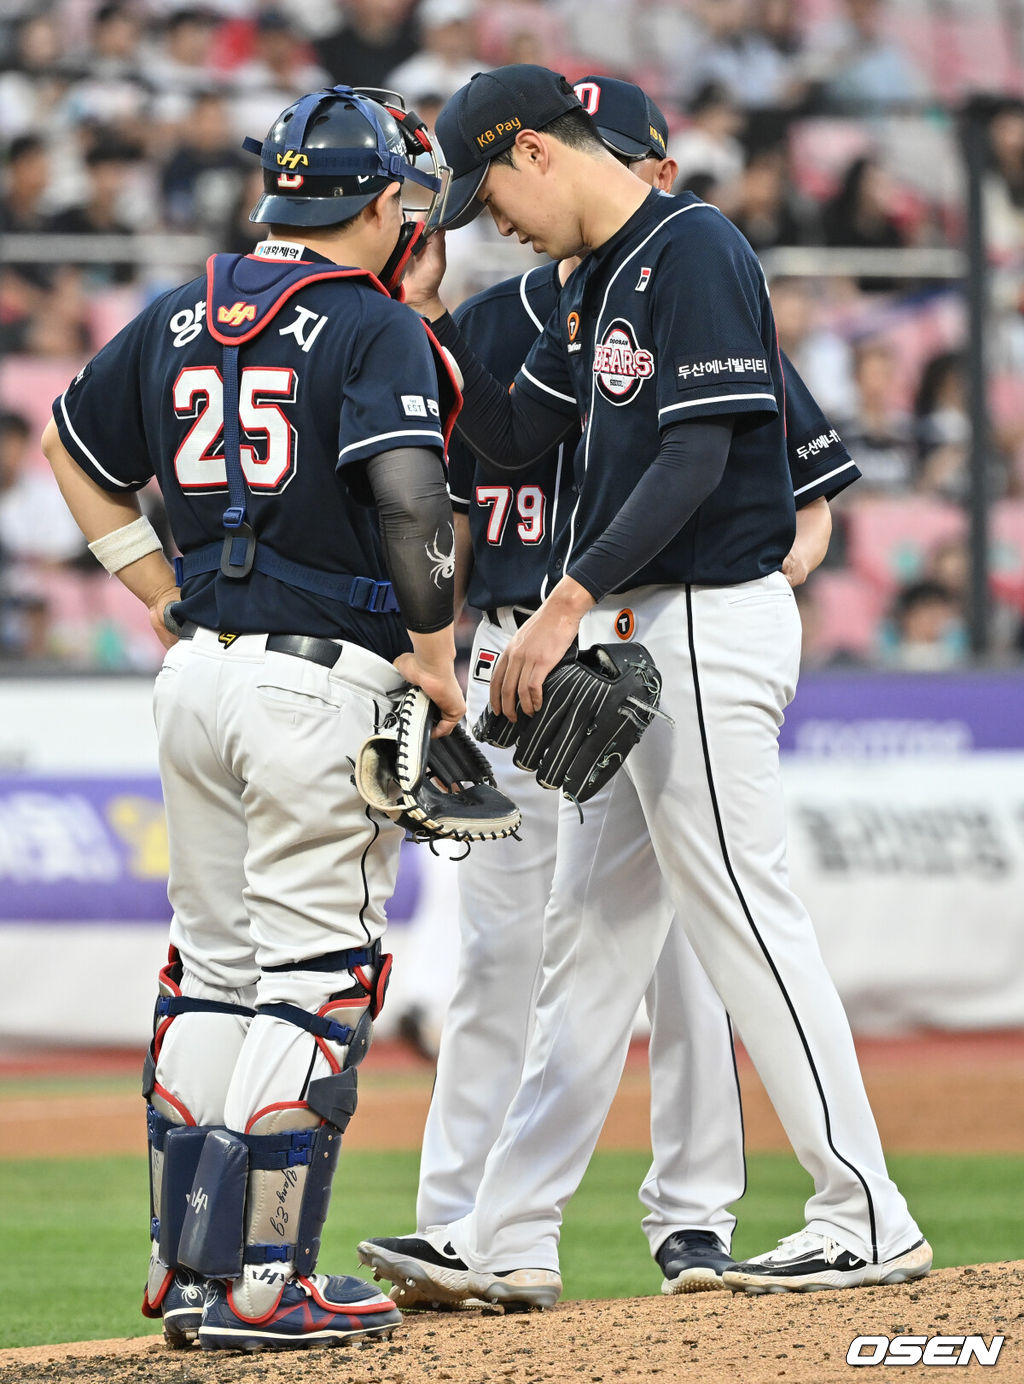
column 116, row 550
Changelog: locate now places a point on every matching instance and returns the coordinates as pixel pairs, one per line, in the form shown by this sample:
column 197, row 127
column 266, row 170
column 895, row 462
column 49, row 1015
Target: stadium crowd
column 823, row 128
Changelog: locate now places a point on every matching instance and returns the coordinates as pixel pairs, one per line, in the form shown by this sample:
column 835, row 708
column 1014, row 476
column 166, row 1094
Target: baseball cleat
column 808, row 1263
column 692, row 1261
column 430, row 1265
column 412, row 1299
column 182, row 1308
column 321, row 1310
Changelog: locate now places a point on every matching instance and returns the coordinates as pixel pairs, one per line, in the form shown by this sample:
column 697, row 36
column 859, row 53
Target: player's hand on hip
column 441, row 686
column 422, row 279
column 794, row 568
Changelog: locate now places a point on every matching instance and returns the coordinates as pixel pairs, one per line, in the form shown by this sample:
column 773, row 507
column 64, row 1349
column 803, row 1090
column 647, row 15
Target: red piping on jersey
column 371, row 280
column 440, row 357
column 275, row 308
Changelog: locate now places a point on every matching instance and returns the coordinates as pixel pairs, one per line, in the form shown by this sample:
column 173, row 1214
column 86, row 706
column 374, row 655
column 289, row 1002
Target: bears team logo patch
column 625, row 623
column 621, row 366
column 484, row 666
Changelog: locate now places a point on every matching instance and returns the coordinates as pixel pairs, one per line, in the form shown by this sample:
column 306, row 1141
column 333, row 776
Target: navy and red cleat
column 182, row 1308
column 321, row 1310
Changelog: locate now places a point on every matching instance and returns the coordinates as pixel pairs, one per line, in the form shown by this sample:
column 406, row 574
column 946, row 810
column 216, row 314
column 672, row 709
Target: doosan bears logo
column 619, row 364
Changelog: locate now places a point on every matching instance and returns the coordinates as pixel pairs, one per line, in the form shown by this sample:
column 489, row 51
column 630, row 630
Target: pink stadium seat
column 848, row 613
column 111, row 310
column 914, row 30
column 888, row 540
column 29, row 385
column 821, row 151
column 984, row 54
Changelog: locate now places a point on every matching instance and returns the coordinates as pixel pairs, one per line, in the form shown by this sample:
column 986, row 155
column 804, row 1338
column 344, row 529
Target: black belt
column 519, row 614
column 307, row 646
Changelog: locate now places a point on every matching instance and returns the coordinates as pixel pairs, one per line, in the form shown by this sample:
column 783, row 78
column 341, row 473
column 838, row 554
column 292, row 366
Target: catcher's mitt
column 436, row 789
column 595, row 709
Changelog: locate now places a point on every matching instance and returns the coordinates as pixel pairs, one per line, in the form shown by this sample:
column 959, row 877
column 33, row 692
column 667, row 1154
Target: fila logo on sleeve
column 620, row 365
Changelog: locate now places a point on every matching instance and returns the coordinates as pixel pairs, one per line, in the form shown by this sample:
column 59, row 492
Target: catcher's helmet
column 332, row 152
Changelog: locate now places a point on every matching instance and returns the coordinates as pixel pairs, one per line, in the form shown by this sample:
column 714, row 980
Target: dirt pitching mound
column 707, row 1338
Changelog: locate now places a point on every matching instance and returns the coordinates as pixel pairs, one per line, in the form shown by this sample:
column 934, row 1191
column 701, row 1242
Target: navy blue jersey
column 670, row 320
column 341, row 373
column 512, row 525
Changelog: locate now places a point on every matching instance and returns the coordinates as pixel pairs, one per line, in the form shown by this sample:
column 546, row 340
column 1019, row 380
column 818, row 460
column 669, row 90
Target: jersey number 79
column 529, row 501
column 267, row 448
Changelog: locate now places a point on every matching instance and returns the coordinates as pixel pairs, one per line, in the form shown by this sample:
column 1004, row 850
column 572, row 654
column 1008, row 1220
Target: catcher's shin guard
column 259, row 1198
column 175, row 1143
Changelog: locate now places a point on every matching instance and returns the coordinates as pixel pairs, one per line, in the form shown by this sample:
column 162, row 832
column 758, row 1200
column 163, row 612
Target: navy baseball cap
column 484, row 117
column 627, row 119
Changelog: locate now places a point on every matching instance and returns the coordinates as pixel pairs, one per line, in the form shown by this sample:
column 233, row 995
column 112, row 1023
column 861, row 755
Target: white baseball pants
column 705, row 793
column 274, row 857
column 696, row 1125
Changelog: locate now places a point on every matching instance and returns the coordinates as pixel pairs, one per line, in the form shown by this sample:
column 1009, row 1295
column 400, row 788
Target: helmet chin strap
column 410, row 242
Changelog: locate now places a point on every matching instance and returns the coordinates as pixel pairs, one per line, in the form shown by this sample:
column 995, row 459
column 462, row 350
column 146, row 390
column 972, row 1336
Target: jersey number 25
column 198, row 394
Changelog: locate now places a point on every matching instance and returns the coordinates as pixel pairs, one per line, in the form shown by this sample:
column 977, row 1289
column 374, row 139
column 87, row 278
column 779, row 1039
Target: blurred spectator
column 34, row 78
column 204, row 171
column 879, row 435
column 108, row 163
column 857, row 67
column 823, row 358
column 179, row 67
column 55, row 323
column 112, row 90
column 781, row 24
column 279, row 72
column 732, row 51
column 448, row 57
column 34, row 524
column 943, row 430
column 710, row 144
column 766, row 209
column 526, row 31
column 23, row 283
column 374, row 37
column 1004, row 185
column 926, row 631
column 948, row 565
column 859, row 216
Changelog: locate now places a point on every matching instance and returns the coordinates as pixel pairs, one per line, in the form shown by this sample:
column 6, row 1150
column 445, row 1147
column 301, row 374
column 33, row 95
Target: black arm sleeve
column 411, row 495
column 686, row 470
column 506, row 432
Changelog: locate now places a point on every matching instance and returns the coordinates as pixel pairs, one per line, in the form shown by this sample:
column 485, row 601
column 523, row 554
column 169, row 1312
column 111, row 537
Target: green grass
column 73, row 1234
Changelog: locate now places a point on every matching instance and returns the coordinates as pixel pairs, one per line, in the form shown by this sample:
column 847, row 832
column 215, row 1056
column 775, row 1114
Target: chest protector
column 232, row 323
